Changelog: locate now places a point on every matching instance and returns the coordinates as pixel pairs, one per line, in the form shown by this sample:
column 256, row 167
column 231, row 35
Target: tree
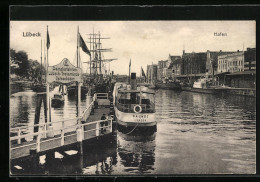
column 35, row 70
column 19, row 63
column 21, row 66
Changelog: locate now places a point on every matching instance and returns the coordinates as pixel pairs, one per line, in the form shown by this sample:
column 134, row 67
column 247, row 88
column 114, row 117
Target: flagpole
column 90, row 58
column 48, row 85
column 41, row 62
column 79, row 83
column 78, row 48
column 45, row 61
column 129, row 70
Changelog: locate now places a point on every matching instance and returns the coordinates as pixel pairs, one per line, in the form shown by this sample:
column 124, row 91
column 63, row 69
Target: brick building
column 250, row 59
column 151, row 73
column 193, row 63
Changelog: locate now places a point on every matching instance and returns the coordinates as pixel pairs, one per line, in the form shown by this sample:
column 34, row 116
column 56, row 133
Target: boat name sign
column 64, row 72
column 140, row 118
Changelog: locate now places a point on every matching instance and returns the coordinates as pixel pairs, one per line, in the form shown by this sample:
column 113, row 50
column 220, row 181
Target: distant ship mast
column 97, row 60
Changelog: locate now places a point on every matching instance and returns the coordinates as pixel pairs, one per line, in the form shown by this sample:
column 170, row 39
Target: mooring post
column 62, row 136
column 37, row 112
column 89, row 100
column 97, row 128
column 34, row 159
column 38, row 143
column 49, row 158
column 80, row 138
column 111, row 124
column 19, row 136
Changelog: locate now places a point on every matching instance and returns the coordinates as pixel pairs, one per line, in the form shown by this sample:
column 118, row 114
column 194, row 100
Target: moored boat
column 169, row 85
column 72, row 91
column 57, row 100
column 134, row 106
column 203, row 85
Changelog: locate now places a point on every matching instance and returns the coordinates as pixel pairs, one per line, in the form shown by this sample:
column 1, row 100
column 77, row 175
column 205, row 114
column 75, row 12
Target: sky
column 144, row 42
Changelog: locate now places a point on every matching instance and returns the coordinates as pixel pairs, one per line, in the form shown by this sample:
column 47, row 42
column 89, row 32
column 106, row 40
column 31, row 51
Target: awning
column 135, row 91
column 250, row 72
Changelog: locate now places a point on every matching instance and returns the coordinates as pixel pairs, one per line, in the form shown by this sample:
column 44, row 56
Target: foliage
column 24, row 68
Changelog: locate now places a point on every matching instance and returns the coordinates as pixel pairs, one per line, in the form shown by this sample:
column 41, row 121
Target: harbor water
column 196, row 134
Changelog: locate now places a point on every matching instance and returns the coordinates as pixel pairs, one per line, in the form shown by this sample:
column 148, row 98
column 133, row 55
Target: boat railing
column 129, row 108
column 101, row 96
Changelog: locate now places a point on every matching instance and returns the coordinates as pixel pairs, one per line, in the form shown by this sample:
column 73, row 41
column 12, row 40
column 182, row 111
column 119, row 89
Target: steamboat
column 134, row 107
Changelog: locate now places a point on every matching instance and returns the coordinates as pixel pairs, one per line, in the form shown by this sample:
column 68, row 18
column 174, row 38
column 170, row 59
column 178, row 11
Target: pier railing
column 64, row 136
column 45, row 126
column 65, row 132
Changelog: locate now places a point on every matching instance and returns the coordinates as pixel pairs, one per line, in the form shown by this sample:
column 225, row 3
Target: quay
column 70, row 132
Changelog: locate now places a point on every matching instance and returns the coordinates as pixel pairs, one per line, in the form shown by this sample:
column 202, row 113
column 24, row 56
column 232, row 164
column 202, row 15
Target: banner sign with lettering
column 64, row 72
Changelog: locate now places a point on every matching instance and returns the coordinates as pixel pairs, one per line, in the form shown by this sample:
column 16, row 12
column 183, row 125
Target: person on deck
column 103, row 117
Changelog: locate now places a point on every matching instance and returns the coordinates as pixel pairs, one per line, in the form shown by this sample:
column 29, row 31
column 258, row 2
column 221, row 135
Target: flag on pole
column 130, row 63
column 83, row 45
column 143, row 74
column 48, row 39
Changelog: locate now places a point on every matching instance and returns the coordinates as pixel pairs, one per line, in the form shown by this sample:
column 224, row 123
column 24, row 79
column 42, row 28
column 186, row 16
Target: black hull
column 73, row 91
column 169, row 86
column 39, row 88
column 57, row 103
column 144, row 130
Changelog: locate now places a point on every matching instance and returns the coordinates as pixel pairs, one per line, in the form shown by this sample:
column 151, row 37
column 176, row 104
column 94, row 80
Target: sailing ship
column 100, row 78
column 134, row 106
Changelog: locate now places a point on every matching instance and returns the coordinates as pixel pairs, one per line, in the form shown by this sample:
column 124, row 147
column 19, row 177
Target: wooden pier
column 66, row 132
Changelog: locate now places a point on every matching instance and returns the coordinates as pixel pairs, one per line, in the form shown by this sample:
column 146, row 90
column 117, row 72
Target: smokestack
column 133, row 81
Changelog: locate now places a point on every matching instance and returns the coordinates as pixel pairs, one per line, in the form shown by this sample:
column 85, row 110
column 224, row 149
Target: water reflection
column 22, row 110
column 136, row 152
column 196, row 134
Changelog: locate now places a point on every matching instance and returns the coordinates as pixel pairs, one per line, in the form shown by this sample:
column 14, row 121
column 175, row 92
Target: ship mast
column 41, row 63
column 78, row 48
column 96, row 51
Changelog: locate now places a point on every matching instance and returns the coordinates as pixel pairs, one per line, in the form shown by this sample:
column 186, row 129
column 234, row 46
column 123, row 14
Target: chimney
column 133, row 81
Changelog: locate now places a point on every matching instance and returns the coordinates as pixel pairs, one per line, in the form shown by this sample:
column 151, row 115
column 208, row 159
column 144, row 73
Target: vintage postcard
column 135, row 98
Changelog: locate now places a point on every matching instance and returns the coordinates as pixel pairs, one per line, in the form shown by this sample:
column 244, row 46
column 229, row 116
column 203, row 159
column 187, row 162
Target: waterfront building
column 242, row 76
column 174, row 66
column 231, row 62
column 201, row 62
column 151, row 73
column 161, row 65
column 250, row 59
column 193, row 63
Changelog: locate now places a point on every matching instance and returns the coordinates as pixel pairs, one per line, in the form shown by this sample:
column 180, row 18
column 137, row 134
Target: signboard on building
column 64, row 72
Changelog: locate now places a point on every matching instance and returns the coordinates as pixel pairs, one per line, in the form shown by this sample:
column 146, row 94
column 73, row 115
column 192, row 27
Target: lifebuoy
column 138, row 110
